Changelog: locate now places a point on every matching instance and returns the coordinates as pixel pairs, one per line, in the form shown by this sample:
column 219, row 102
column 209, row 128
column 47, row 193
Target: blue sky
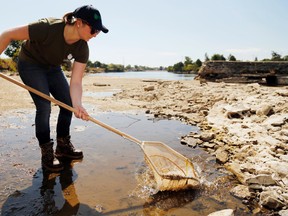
column 163, row 32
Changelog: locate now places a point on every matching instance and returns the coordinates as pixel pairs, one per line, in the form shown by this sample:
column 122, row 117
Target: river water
column 162, row 75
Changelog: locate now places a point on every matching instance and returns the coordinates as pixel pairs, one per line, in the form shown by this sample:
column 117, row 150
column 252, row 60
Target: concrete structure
column 268, row 72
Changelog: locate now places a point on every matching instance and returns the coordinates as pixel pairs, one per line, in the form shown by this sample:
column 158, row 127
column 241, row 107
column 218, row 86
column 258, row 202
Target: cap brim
column 104, row 29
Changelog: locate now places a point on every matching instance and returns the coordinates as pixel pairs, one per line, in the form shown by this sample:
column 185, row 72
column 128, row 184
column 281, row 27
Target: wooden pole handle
column 65, row 106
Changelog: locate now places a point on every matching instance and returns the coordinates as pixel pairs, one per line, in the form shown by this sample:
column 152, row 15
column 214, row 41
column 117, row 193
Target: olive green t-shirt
column 47, row 45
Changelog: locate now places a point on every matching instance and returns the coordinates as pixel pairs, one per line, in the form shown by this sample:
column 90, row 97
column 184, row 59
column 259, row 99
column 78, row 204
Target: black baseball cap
column 92, row 16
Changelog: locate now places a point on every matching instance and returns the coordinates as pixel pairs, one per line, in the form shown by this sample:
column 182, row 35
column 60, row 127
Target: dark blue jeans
column 47, row 79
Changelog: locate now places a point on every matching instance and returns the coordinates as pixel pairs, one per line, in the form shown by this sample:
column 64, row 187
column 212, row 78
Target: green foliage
column 276, row 56
column 114, row 68
column 217, row 57
column 66, row 65
column 198, row 63
column 13, row 49
column 187, row 67
column 178, row 66
column 285, row 58
column 231, row 58
column 8, row 64
column 98, row 66
column 188, row 61
column 207, row 57
column 128, row 67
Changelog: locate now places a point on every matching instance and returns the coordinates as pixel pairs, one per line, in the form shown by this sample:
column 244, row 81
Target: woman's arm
column 76, row 90
column 18, row 33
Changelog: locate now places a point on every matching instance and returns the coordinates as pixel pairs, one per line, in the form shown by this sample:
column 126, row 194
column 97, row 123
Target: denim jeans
column 47, row 79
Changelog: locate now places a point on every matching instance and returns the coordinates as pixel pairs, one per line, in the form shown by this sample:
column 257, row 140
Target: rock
column 149, row 88
column 281, row 168
column 271, row 200
column 190, row 141
column 283, row 213
column 238, row 111
column 208, row 145
column 264, row 110
column 225, row 212
column 241, row 191
column 222, row 155
column 234, row 167
column 150, row 97
column 261, row 180
column 207, row 136
column 276, row 120
column 283, row 93
column 100, row 84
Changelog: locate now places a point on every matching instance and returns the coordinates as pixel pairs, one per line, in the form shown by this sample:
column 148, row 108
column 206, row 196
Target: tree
column 128, row 67
column 89, row 63
column 13, row 49
column 178, row 66
column 275, row 56
column 285, row 58
column 198, row 63
column 97, row 64
column 188, row 61
column 8, row 64
column 231, row 58
column 217, row 57
column 207, row 57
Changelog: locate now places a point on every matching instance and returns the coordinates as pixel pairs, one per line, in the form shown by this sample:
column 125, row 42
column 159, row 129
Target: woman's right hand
column 81, row 113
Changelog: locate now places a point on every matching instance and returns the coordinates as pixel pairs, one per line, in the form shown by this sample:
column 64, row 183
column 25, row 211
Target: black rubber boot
column 49, row 161
column 66, row 150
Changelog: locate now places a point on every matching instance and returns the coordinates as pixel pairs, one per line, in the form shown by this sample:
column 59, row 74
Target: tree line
column 187, row 66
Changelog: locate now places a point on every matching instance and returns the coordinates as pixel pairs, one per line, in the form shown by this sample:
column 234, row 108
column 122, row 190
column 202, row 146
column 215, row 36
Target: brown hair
column 69, row 18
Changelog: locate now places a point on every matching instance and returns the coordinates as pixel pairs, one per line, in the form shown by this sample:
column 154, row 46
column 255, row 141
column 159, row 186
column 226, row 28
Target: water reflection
column 47, row 197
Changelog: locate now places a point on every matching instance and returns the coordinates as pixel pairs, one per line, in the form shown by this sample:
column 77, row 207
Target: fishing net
column 172, row 171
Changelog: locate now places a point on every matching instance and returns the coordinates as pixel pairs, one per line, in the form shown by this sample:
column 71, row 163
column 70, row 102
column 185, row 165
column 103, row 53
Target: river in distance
column 162, row 75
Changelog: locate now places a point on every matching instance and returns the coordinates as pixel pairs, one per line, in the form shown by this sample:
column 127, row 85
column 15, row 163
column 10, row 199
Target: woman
column 47, row 43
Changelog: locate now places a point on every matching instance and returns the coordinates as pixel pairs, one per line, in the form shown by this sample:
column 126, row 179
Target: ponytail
column 69, row 18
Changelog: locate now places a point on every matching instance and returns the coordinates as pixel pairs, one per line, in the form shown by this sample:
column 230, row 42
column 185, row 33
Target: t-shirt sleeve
column 81, row 54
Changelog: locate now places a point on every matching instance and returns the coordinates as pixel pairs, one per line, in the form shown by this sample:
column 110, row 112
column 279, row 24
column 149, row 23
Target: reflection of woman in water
column 45, row 197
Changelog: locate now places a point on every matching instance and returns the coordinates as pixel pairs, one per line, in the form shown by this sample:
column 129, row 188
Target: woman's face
column 86, row 32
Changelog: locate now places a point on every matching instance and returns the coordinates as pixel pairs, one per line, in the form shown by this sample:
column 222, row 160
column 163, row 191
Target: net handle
column 65, row 106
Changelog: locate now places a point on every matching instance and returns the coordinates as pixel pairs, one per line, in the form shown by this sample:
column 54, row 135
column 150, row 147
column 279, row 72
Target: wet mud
column 112, row 179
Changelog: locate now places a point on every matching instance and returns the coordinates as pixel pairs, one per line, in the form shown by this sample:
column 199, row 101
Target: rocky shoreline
column 243, row 125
